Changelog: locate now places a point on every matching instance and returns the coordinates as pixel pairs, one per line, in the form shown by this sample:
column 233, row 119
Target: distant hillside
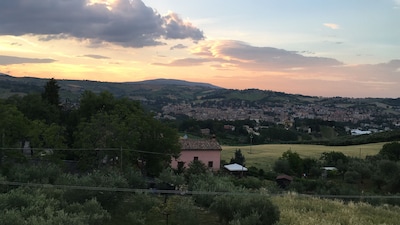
column 72, row 89
column 157, row 93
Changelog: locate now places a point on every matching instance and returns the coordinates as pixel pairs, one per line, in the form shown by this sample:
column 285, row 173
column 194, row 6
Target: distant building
column 208, row 151
column 236, row 169
column 359, row 132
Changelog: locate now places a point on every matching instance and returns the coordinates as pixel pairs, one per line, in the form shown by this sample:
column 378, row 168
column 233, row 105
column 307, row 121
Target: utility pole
column 251, row 142
column 121, row 158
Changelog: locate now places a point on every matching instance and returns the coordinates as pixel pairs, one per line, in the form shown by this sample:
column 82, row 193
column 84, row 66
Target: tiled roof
column 199, row 144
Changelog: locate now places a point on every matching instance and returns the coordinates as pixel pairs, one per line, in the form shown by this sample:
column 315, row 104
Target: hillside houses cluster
column 285, row 113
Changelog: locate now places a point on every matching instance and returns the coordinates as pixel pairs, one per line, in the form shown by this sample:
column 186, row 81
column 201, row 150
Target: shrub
column 231, row 208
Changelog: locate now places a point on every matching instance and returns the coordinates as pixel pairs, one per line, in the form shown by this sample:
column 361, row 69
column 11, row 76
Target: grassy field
column 263, row 156
column 296, row 210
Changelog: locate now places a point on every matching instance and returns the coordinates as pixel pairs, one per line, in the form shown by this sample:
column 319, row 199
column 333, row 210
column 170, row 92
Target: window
column 181, row 165
column 196, row 158
column 210, row 164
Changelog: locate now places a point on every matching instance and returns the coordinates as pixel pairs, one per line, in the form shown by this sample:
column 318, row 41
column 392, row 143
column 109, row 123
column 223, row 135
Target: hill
column 171, row 99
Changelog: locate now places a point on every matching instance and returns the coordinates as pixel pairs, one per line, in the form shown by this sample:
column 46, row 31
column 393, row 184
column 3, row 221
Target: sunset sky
column 348, row 48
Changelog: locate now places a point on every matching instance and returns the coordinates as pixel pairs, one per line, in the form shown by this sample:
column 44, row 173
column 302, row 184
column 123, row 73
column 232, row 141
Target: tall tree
column 50, row 93
column 108, row 122
column 239, row 157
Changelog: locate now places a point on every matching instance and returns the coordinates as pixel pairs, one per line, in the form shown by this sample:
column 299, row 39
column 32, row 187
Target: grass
column 263, row 156
column 297, row 210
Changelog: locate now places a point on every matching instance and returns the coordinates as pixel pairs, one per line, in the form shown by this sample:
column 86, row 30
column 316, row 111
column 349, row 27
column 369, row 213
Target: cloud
column 178, row 46
column 9, row 60
column 96, row 56
column 176, row 28
column 243, row 55
column 185, row 62
column 128, row 23
column 332, row 26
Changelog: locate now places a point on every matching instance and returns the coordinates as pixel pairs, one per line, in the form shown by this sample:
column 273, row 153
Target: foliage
column 238, row 158
column 168, row 176
column 195, row 167
column 209, row 183
column 298, row 210
column 134, row 178
column 295, row 162
column 180, row 210
column 37, row 207
column 248, row 182
column 42, row 173
column 86, row 187
column 391, row 151
column 333, row 158
column 256, row 208
column 50, row 93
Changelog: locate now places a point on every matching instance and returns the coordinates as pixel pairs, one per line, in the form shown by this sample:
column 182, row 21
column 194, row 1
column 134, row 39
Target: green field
column 263, row 156
column 296, row 210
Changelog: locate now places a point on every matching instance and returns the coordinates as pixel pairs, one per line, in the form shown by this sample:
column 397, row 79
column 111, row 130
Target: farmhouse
column 208, row 151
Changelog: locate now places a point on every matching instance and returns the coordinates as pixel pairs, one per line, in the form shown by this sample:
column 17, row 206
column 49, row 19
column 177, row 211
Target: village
column 365, row 118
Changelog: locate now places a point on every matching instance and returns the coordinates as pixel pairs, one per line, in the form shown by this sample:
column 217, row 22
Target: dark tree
column 50, row 93
column 391, row 151
column 239, row 157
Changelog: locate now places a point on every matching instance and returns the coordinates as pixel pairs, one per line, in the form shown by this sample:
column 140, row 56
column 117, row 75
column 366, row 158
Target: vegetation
column 299, row 210
column 105, row 161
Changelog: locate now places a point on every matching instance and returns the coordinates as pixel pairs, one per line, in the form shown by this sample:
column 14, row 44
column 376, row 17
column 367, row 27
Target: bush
column 209, row 183
column 41, row 173
column 234, row 208
column 248, row 182
column 88, row 183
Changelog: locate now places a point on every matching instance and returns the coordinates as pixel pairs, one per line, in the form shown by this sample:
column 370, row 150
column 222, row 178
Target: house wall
column 203, row 156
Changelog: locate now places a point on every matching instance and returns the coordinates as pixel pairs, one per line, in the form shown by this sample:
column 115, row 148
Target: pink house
column 207, row 151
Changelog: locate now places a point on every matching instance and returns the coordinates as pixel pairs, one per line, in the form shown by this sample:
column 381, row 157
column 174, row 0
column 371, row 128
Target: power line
column 90, row 149
column 187, row 192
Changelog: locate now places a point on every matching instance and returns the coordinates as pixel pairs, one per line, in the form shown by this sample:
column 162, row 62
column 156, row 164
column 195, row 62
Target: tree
column 295, row 162
column 13, row 132
column 258, row 209
column 391, row 151
column 34, row 107
column 46, row 207
column 333, row 158
column 107, row 178
column 239, row 157
column 50, row 93
column 108, row 122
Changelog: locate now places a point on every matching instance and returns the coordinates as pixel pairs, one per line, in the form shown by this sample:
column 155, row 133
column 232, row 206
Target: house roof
column 235, row 167
column 199, row 144
column 284, row 177
column 329, row 168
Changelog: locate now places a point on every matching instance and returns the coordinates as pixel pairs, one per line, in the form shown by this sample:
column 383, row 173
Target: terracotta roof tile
column 199, row 144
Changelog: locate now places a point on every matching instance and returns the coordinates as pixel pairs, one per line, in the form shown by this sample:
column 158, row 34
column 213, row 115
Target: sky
column 322, row 48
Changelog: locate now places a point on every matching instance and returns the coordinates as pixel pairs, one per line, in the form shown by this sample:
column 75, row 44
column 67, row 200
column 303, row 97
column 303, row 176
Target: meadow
column 264, row 156
column 298, row 210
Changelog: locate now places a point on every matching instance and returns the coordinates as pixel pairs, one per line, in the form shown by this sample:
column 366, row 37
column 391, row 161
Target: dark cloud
column 178, row 46
column 270, row 57
column 185, row 62
column 130, row 23
column 9, row 60
column 96, row 56
column 176, row 28
column 241, row 55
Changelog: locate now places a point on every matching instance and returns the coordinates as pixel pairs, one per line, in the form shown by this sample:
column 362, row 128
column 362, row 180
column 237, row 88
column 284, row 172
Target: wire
column 91, row 149
column 186, row 192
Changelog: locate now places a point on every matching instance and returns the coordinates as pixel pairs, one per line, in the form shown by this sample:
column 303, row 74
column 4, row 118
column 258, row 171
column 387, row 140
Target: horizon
column 327, row 49
column 122, row 82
